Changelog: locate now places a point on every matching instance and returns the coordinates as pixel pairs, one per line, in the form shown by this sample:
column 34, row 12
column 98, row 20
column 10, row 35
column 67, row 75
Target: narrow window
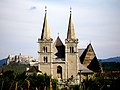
column 44, row 59
column 72, row 49
column 44, row 49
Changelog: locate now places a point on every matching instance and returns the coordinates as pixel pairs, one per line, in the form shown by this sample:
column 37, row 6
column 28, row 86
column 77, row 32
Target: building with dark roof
column 33, row 69
column 64, row 61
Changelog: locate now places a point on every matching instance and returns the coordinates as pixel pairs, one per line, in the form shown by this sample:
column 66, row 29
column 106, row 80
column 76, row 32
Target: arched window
column 71, row 49
column 45, row 59
column 59, row 72
column 44, row 49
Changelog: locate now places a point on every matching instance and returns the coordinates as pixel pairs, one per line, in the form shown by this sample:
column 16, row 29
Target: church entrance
column 59, row 72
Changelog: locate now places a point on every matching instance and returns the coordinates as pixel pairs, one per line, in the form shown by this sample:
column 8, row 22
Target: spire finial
column 45, row 9
column 90, row 41
column 58, row 33
column 70, row 10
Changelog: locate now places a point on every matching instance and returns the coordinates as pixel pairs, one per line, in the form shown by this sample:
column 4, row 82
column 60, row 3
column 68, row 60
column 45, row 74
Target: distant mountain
column 3, row 61
column 113, row 59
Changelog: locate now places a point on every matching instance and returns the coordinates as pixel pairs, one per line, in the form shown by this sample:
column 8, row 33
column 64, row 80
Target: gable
column 87, row 55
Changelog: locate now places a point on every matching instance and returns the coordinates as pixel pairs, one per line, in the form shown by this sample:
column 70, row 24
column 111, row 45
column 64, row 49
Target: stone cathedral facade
column 59, row 60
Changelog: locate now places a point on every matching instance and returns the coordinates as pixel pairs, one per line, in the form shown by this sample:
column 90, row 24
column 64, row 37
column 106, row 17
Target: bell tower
column 71, row 50
column 45, row 45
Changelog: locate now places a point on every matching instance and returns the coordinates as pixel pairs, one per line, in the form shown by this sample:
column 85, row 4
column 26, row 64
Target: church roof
column 94, row 64
column 82, row 57
column 85, row 70
column 80, row 51
column 33, row 69
column 59, row 49
column 58, row 42
column 45, row 30
column 71, row 32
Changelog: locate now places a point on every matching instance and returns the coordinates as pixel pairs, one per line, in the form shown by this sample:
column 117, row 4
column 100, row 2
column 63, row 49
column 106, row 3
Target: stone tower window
column 45, row 49
column 71, row 49
column 45, row 59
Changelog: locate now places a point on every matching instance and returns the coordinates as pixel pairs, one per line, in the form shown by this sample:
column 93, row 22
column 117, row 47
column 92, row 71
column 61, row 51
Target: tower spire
column 45, row 30
column 71, row 32
column 70, row 10
column 45, row 9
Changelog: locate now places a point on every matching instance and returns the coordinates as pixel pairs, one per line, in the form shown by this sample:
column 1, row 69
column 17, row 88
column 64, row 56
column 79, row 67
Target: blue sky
column 97, row 21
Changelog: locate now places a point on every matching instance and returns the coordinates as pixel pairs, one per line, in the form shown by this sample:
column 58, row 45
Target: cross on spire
column 58, row 33
column 90, row 41
column 45, row 9
column 70, row 10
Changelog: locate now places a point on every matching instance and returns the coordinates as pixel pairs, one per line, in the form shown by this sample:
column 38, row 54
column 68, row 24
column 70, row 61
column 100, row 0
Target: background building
column 23, row 59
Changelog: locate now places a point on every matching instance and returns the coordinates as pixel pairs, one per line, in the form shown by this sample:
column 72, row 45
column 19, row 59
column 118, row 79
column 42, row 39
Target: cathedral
column 64, row 61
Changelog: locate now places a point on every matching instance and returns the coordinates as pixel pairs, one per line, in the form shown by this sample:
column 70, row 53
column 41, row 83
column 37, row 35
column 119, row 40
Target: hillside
column 113, row 59
column 110, row 64
column 17, row 67
column 3, row 61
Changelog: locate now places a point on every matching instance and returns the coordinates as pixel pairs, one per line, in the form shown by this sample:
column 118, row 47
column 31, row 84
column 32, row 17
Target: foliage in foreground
column 11, row 80
column 20, row 81
column 102, row 82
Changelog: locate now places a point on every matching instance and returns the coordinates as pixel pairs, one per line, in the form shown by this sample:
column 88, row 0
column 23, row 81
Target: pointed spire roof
column 59, row 49
column 45, row 30
column 58, row 42
column 71, row 32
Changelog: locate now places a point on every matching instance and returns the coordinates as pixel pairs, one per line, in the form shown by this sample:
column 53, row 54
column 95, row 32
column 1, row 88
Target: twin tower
column 56, row 59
